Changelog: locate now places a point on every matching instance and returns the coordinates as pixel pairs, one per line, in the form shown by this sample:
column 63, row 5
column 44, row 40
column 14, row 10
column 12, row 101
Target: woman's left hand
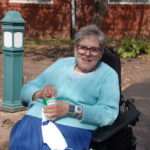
column 57, row 110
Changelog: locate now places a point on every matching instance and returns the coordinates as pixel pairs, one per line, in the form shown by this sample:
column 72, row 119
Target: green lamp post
column 13, row 49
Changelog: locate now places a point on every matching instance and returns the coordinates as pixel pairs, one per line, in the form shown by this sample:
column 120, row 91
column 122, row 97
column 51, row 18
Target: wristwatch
column 75, row 110
column 78, row 109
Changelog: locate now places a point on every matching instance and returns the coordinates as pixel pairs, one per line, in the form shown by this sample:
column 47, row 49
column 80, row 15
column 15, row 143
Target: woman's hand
column 57, row 110
column 47, row 92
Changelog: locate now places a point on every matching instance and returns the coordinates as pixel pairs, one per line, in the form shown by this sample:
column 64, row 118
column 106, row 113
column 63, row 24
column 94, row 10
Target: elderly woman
column 87, row 92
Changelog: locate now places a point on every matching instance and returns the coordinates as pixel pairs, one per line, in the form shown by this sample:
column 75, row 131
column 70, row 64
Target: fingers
column 48, row 91
column 37, row 95
column 50, row 108
column 51, row 112
column 57, row 110
column 51, row 116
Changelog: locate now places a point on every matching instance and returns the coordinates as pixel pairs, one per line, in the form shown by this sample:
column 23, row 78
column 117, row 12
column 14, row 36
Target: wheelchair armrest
column 123, row 120
column 24, row 103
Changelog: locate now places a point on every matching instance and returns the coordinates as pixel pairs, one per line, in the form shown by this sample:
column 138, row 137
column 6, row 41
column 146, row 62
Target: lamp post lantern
column 13, row 49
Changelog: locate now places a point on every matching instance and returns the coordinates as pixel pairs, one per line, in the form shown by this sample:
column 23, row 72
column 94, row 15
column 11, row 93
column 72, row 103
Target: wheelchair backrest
column 111, row 58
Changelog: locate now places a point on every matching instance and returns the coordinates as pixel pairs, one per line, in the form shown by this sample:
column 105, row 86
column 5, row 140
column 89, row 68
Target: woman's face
column 88, row 54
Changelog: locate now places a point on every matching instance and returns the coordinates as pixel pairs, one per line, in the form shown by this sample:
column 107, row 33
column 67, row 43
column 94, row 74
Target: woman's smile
column 85, row 60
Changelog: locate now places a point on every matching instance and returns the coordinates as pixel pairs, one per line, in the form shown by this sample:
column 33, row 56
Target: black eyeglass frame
column 84, row 48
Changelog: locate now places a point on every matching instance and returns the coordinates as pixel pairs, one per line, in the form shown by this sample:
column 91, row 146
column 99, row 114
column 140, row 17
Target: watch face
column 78, row 109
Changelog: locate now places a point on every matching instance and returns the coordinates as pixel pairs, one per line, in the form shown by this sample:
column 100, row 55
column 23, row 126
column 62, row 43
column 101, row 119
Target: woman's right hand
column 47, row 92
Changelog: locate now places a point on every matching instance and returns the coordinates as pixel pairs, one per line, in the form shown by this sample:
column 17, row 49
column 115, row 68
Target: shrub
column 131, row 47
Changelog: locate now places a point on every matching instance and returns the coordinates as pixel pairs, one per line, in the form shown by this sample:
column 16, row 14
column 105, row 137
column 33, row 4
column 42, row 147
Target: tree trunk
column 100, row 11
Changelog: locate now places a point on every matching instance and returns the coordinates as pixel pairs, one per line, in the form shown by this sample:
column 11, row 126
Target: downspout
column 73, row 17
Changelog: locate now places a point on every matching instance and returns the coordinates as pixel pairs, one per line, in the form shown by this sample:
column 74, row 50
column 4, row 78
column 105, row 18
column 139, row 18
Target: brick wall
column 44, row 20
column 54, row 20
column 131, row 19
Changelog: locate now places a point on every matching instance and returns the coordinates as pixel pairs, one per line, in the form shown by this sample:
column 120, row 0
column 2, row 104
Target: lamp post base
column 11, row 109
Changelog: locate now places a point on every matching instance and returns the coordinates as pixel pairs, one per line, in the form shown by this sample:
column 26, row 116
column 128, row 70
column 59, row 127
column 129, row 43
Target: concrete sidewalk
column 141, row 94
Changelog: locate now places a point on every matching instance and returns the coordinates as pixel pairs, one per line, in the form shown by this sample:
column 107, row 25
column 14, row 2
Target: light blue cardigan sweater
column 97, row 92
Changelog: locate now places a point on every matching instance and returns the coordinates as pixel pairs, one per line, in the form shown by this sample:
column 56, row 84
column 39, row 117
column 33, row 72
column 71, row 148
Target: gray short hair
column 91, row 30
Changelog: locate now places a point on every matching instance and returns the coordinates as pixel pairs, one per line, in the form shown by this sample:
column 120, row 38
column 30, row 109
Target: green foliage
column 147, row 50
column 126, row 48
column 131, row 47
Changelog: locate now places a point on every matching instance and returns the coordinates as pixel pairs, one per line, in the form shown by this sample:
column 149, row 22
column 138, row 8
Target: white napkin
column 52, row 136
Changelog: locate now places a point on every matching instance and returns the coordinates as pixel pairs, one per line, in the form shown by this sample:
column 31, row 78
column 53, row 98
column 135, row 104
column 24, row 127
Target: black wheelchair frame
column 118, row 136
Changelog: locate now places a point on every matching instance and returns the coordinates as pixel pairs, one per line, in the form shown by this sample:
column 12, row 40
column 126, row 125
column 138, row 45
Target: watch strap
column 71, row 109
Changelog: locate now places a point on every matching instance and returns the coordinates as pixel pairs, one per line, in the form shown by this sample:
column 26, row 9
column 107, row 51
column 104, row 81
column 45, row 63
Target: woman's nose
column 87, row 52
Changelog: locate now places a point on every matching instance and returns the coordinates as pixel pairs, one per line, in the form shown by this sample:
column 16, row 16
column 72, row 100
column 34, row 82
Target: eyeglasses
column 82, row 49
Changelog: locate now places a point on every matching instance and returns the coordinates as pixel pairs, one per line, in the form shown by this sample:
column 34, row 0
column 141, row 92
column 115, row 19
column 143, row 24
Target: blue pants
column 26, row 135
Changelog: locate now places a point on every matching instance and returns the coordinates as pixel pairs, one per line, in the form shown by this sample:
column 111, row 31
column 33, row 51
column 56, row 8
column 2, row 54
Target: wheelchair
column 118, row 136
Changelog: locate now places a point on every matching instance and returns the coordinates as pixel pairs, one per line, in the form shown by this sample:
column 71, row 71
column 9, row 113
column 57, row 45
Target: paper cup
column 49, row 101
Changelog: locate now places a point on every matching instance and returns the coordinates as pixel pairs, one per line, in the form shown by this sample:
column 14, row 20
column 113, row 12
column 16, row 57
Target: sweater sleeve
column 37, row 84
column 105, row 111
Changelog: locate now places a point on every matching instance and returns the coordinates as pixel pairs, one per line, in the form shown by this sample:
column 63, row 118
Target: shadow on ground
column 54, row 53
column 141, row 94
